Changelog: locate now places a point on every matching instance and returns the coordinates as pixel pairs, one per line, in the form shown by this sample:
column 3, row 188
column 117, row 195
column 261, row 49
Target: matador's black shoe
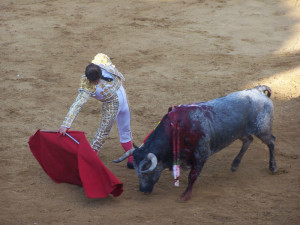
column 130, row 165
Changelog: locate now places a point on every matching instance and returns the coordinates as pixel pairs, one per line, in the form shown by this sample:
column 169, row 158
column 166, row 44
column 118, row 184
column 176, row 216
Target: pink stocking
column 127, row 146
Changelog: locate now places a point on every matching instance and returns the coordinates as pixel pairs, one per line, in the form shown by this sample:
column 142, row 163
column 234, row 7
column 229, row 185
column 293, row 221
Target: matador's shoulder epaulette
column 104, row 62
column 101, row 58
column 86, row 85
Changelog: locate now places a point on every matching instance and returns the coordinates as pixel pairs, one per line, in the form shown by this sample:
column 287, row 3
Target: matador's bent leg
column 109, row 112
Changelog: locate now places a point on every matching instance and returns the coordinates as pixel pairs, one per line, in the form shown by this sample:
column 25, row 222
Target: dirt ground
column 171, row 52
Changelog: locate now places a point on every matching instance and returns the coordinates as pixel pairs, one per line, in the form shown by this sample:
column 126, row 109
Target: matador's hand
column 62, row 130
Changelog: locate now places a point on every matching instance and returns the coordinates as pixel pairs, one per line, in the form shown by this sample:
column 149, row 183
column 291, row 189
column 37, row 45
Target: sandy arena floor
column 171, row 52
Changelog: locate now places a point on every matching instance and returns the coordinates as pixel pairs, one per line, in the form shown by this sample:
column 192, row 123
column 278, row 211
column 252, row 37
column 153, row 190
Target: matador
column 104, row 82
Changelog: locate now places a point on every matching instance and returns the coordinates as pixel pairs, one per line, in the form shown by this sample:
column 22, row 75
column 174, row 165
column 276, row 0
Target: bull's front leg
column 194, row 173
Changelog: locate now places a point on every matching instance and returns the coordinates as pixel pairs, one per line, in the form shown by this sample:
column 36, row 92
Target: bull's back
column 234, row 116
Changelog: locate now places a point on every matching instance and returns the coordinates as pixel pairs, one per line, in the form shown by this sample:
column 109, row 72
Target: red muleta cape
column 66, row 161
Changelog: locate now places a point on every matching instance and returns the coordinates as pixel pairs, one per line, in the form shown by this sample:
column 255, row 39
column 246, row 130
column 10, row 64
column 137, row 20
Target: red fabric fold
column 66, row 161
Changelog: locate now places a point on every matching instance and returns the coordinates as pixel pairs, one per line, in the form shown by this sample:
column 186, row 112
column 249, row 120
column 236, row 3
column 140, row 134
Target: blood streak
column 190, row 130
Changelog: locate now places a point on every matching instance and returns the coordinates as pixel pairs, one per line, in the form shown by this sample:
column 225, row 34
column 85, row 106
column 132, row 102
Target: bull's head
column 146, row 165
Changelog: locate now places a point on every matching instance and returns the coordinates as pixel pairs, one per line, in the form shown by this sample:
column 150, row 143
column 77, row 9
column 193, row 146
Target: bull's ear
column 134, row 145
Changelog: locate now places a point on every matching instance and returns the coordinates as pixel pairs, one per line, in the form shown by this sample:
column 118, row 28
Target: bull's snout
column 146, row 189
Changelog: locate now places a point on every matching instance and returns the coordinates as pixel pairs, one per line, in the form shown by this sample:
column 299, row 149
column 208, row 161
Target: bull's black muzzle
column 146, row 189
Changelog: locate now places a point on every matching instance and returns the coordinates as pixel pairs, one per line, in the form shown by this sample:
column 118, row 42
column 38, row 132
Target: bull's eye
column 144, row 165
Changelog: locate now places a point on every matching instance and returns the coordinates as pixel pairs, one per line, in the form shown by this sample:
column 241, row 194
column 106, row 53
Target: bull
column 203, row 129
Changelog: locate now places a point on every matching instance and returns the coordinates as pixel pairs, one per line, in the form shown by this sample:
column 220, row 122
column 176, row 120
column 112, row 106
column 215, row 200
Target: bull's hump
column 187, row 108
column 191, row 113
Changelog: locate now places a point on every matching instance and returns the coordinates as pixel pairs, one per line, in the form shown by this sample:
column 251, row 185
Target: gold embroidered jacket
column 105, row 91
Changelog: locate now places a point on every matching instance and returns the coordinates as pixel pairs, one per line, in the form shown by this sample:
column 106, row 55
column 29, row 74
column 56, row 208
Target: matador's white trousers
column 116, row 109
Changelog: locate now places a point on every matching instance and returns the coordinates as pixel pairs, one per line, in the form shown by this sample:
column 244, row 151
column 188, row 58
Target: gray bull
column 203, row 129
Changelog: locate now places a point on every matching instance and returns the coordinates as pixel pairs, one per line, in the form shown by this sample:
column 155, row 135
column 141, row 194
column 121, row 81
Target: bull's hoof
column 235, row 164
column 273, row 170
column 185, row 197
column 273, row 167
column 234, row 168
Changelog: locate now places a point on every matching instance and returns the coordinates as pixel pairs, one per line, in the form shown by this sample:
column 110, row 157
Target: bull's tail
column 265, row 89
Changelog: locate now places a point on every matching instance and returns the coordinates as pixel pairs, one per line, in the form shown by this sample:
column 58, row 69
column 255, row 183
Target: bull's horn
column 153, row 159
column 125, row 155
